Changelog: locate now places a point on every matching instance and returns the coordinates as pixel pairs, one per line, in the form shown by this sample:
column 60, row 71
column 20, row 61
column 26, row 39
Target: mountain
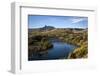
column 47, row 28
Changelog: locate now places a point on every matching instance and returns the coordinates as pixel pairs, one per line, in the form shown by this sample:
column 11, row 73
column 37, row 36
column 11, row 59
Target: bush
column 37, row 44
column 80, row 52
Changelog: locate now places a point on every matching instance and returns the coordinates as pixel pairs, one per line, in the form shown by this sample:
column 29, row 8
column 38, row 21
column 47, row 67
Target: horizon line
column 62, row 28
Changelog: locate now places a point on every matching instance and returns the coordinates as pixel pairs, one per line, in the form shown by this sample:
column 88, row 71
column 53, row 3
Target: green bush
column 37, row 44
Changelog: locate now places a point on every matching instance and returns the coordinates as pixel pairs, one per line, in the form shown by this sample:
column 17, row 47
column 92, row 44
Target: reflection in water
column 60, row 50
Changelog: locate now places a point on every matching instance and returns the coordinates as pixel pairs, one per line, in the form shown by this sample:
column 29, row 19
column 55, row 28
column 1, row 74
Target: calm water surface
column 60, row 50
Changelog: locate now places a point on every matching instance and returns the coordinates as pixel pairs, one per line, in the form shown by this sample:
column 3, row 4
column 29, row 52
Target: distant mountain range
column 47, row 28
column 42, row 28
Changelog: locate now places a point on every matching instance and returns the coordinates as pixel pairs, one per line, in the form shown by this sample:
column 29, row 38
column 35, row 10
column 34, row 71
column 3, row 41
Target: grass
column 39, row 41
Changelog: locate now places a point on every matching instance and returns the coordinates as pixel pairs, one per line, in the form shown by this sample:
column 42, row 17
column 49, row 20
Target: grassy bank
column 38, row 44
column 39, row 40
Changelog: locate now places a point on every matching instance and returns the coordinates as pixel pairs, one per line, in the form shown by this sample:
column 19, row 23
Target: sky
column 38, row 21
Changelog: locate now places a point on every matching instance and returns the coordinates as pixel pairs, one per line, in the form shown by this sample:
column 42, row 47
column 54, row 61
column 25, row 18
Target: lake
column 60, row 50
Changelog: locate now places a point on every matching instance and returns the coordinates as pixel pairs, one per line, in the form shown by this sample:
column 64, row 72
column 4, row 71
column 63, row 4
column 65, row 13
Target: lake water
column 60, row 50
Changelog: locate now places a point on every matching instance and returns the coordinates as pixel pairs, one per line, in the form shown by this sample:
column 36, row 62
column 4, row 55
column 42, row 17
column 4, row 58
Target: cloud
column 77, row 20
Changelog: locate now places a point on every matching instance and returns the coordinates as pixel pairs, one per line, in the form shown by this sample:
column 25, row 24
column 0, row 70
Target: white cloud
column 76, row 20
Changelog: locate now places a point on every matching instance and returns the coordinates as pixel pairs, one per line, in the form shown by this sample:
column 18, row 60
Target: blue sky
column 38, row 21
